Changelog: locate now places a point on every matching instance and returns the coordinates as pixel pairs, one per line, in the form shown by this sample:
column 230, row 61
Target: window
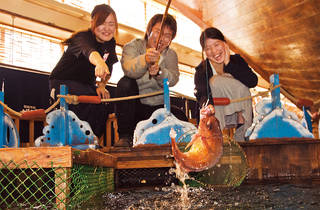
column 30, row 50
column 142, row 13
column 26, row 49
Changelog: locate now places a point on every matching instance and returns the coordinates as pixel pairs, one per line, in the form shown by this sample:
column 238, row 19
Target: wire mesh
column 26, row 185
column 144, row 177
column 230, row 171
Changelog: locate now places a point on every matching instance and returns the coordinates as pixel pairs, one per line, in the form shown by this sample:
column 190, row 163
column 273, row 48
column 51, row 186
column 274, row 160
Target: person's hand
column 102, row 92
column 102, row 70
column 227, row 54
column 152, row 56
column 227, row 75
column 154, row 69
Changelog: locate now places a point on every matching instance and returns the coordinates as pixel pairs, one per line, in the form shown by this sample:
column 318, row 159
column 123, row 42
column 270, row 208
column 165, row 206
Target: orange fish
column 205, row 147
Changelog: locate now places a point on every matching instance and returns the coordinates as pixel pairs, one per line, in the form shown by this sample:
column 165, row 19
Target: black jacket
column 74, row 63
column 237, row 67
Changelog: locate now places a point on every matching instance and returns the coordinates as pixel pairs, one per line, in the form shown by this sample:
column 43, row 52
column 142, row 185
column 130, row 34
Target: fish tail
column 174, row 147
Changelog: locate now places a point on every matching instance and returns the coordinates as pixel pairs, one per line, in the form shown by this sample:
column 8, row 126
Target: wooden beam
column 145, row 164
column 282, row 159
column 93, row 158
column 36, row 157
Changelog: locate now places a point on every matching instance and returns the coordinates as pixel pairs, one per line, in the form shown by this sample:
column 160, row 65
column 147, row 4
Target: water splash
column 182, row 176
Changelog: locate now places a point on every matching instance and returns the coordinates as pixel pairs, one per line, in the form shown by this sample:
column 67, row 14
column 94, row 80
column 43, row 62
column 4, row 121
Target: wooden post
column 259, row 166
column 112, row 120
column 62, row 189
column 31, row 133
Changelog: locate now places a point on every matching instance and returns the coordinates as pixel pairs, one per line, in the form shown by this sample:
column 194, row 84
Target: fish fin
column 206, row 104
column 192, row 141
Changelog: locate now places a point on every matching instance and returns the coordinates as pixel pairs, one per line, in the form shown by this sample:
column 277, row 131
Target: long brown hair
column 99, row 15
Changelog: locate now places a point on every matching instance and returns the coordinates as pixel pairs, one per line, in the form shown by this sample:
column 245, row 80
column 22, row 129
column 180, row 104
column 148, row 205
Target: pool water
column 270, row 196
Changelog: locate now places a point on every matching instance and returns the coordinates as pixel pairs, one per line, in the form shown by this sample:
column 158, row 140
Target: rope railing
column 226, row 101
column 176, row 94
column 34, row 114
column 261, row 93
column 73, row 99
column 10, row 110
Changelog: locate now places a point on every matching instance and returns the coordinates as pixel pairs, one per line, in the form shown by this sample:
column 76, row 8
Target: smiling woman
column 90, row 54
column 225, row 75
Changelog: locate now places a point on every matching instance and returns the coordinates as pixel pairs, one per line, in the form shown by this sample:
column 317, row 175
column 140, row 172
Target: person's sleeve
column 132, row 61
column 112, row 58
column 81, row 44
column 240, row 70
column 169, row 69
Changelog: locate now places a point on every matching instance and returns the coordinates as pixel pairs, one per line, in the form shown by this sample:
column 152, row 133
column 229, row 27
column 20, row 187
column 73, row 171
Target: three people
column 90, row 54
column 224, row 75
column 145, row 63
column 145, row 66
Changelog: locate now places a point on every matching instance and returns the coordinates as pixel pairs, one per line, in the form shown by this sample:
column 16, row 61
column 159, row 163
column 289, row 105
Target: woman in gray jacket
column 145, row 68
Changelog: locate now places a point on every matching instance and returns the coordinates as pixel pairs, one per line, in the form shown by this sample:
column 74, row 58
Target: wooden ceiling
column 274, row 36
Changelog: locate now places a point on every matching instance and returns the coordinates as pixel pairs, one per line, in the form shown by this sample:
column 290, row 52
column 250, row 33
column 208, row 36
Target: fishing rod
column 162, row 27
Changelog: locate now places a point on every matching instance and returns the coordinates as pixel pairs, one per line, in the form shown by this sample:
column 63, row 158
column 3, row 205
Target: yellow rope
column 70, row 99
column 273, row 87
column 73, row 99
column 174, row 93
column 52, row 106
column 132, row 97
column 262, row 93
column 18, row 114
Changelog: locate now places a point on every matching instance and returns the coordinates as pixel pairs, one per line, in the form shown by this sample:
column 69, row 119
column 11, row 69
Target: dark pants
column 130, row 112
column 95, row 114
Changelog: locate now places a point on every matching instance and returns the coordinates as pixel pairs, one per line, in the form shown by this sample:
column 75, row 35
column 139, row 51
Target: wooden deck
column 60, row 158
column 268, row 159
column 141, row 157
column 282, row 159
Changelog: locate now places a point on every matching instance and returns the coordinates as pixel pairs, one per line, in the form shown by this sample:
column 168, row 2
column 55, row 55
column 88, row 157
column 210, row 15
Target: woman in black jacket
column 90, row 54
column 224, row 75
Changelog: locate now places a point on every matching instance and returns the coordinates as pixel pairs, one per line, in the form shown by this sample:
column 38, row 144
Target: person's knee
column 126, row 82
column 178, row 113
column 126, row 86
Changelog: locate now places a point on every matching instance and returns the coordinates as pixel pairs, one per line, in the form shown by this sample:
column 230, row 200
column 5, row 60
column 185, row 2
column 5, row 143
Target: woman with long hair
column 90, row 54
column 224, row 75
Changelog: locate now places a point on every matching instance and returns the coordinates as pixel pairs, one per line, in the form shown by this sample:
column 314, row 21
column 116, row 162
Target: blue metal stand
column 65, row 128
column 2, row 128
column 156, row 130
column 276, row 122
column 166, row 94
column 9, row 136
column 275, row 94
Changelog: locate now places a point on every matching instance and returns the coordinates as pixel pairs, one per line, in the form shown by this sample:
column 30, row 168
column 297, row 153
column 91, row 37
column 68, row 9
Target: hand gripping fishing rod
column 161, row 27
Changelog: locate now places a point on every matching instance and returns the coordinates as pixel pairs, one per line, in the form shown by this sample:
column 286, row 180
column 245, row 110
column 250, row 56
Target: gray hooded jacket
column 134, row 66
